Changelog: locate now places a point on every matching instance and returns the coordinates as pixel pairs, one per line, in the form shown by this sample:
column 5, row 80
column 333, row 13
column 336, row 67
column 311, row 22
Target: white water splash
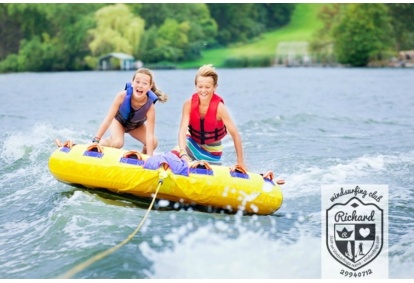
column 309, row 180
column 204, row 254
column 31, row 144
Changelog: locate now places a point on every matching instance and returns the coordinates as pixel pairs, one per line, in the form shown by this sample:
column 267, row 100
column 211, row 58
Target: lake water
column 310, row 126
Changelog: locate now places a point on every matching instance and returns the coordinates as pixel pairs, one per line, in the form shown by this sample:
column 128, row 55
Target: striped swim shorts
column 208, row 152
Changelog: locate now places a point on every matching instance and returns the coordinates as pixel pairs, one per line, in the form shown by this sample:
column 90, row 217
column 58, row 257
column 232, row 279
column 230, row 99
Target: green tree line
column 360, row 34
column 57, row 37
column 71, row 36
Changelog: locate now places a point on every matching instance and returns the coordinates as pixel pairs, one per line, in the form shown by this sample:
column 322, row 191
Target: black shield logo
column 354, row 232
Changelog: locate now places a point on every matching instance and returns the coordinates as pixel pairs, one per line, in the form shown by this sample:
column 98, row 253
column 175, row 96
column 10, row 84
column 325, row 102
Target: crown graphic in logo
column 344, row 234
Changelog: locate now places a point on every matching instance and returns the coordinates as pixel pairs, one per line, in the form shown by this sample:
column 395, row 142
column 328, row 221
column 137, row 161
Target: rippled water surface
column 309, row 126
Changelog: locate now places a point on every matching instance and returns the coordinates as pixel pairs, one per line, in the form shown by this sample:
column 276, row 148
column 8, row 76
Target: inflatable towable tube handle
column 68, row 143
column 196, row 164
column 133, row 154
column 238, row 168
column 269, row 176
column 95, row 147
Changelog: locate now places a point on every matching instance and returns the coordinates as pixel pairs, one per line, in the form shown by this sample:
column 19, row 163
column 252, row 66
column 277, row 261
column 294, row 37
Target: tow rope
column 103, row 254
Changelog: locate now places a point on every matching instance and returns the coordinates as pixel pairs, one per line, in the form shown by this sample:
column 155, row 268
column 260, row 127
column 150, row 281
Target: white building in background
column 117, row 61
column 295, row 53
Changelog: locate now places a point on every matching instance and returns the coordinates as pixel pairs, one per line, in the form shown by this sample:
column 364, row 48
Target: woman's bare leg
column 116, row 139
column 140, row 135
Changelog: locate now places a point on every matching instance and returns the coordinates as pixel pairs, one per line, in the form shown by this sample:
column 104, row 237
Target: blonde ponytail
column 162, row 97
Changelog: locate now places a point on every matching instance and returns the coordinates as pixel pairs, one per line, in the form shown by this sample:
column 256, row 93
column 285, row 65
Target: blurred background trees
column 57, row 37
column 359, row 34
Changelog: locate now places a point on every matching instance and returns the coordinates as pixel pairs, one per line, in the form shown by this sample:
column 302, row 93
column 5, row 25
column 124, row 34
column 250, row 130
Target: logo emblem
column 354, row 232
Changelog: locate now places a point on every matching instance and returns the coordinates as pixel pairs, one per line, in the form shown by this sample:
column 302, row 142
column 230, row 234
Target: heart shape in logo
column 364, row 232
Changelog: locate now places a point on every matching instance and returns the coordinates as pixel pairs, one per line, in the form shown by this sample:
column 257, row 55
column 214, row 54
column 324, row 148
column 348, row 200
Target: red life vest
column 206, row 130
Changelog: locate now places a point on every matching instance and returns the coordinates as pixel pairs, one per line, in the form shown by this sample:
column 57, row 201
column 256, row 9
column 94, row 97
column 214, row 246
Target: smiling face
column 141, row 84
column 205, row 87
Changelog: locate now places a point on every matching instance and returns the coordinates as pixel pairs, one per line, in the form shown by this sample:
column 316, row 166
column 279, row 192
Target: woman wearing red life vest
column 205, row 121
column 133, row 112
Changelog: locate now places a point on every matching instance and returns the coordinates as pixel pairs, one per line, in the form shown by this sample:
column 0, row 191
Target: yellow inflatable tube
column 122, row 171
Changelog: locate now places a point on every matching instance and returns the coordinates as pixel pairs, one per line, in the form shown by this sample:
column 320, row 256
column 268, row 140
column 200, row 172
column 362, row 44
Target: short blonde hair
column 207, row 71
column 161, row 95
